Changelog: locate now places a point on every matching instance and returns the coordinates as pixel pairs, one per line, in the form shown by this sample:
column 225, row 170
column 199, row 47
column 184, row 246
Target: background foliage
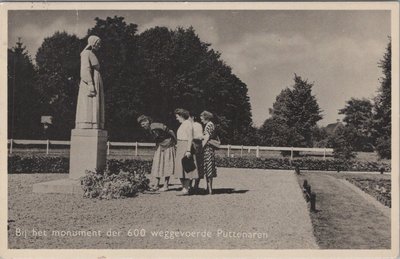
column 160, row 69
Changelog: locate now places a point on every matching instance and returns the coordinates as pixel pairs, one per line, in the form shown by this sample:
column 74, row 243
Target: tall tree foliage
column 23, row 109
column 153, row 73
column 382, row 107
column 294, row 115
column 58, row 64
column 179, row 70
column 358, row 118
column 341, row 142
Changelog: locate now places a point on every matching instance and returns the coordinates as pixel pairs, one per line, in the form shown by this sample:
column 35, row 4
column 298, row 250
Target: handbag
column 216, row 143
column 188, row 164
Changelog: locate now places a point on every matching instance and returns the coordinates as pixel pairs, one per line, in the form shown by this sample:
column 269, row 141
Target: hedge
column 56, row 164
column 303, row 164
column 50, row 164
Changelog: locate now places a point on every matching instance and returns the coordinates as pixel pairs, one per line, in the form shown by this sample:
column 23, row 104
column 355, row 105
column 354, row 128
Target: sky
column 336, row 50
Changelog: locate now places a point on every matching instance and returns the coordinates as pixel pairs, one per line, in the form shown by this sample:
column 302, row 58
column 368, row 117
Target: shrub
column 110, row 185
column 383, row 147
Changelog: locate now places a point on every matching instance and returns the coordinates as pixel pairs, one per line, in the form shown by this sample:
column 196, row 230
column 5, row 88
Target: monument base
column 88, row 151
column 66, row 186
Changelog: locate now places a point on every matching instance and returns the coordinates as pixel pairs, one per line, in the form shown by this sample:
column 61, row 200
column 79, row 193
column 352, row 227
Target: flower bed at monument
column 56, row 164
column 113, row 185
column 378, row 188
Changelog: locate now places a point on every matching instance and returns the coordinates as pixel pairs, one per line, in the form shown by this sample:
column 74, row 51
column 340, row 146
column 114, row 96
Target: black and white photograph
column 189, row 129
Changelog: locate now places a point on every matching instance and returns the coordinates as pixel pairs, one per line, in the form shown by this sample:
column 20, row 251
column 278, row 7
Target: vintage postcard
column 189, row 129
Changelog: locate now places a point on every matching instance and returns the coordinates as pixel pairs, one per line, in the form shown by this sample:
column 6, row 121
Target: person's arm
column 206, row 135
column 190, row 139
column 172, row 134
column 86, row 73
column 169, row 132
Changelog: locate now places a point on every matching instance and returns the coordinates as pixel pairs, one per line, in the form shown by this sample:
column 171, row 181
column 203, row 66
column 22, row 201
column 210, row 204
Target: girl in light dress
column 184, row 148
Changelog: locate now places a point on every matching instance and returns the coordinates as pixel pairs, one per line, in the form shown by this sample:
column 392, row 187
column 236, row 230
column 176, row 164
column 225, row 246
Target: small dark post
column 382, row 170
column 308, row 188
column 305, row 183
column 297, row 169
column 312, row 201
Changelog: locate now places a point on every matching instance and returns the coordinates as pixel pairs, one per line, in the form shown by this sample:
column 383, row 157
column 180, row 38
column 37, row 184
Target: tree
column 382, row 124
column 320, row 137
column 23, row 108
column 183, row 71
column 275, row 132
column 293, row 116
column 358, row 115
column 341, row 143
column 58, row 63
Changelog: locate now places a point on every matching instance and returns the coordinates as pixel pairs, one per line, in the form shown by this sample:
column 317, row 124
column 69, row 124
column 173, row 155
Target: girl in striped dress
column 210, row 171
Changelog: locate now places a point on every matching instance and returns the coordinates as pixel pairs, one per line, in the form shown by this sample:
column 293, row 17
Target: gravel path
column 266, row 205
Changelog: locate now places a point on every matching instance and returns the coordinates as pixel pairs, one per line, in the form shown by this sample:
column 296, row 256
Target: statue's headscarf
column 92, row 40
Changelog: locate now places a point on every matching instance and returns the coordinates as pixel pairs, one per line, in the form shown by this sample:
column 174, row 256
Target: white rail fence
column 137, row 145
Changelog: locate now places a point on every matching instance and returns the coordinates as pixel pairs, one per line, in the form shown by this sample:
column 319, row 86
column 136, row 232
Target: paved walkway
column 251, row 209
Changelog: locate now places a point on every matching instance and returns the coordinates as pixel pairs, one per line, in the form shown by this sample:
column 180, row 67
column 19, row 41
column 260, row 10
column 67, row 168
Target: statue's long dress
column 90, row 110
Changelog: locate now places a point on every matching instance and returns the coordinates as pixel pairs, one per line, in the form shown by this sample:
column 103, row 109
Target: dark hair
column 207, row 115
column 143, row 118
column 183, row 113
column 194, row 115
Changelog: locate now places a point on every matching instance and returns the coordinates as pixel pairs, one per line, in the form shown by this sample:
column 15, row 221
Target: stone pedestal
column 88, row 151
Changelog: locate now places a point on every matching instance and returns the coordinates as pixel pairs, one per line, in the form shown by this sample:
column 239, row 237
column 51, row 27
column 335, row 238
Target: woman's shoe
column 184, row 192
column 164, row 189
column 154, row 188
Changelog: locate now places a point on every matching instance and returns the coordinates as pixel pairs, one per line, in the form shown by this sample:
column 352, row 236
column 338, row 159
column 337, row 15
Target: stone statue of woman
column 90, row 107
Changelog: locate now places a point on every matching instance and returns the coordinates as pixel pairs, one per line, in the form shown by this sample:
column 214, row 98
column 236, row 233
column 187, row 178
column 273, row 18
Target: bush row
column 48, row 164
column 303, row 164
column 37, row 164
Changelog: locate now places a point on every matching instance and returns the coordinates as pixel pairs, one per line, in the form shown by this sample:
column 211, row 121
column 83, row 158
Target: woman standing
column 164, row 157
column 210, row 170
column 198, row 149
column 90, row 106
column 184, row 148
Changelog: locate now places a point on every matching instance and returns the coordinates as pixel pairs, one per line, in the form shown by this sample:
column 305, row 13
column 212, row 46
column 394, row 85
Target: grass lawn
column 344, row 219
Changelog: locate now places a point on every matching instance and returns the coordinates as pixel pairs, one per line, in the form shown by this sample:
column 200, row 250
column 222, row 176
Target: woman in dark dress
column 210, row 171
column 164, row 157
